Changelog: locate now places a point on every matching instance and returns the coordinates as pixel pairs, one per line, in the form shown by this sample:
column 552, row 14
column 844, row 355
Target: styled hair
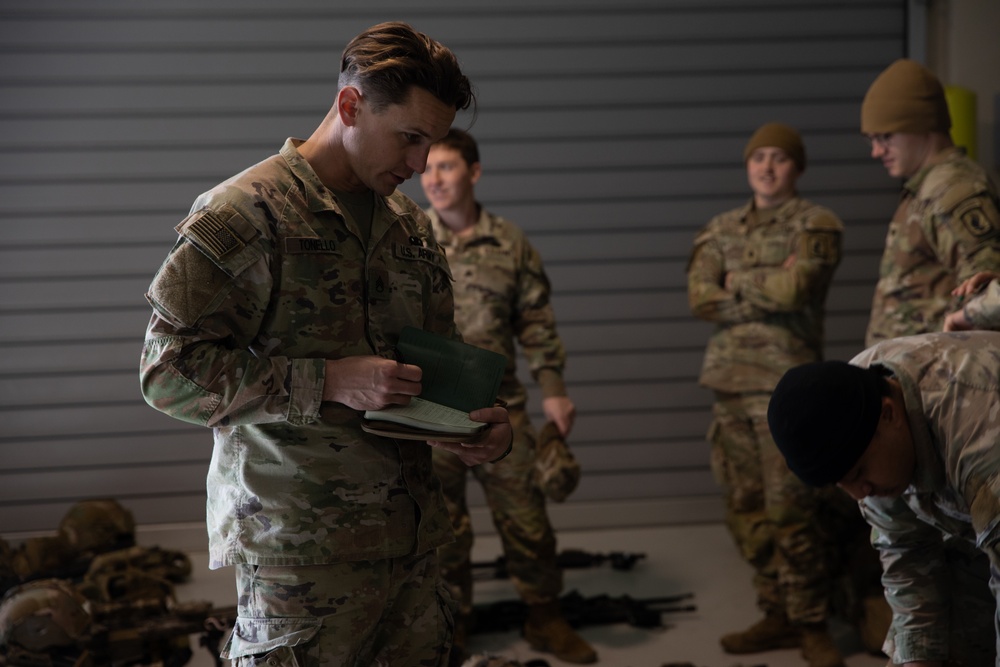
column 461, row 141
column 386, row 60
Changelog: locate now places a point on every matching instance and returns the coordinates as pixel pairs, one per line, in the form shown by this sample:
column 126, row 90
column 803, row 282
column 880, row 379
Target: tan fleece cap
column 905, row 97
column 778, row 135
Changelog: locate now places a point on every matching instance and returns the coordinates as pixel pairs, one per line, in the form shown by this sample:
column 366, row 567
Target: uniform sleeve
column 209, row 298
column 534, row 324
column 983, row 310
column 781, row 289
column 707, row 296
column 964, row 227
column 914, row 578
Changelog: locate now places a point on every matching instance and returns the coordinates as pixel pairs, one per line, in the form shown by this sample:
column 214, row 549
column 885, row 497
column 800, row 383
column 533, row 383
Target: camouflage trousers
column 518, row 511
column 771, row 514
column 390, row 613
column 972, row 633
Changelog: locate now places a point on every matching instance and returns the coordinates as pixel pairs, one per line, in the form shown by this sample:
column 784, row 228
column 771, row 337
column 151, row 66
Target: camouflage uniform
column 983, row 310
column 502, row 296
column 946, row 229
column 269, row 279
column 770, row 320
column 943, row 607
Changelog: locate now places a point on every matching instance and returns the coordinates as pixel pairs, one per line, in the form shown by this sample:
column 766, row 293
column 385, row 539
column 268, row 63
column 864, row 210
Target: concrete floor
column 697, row 559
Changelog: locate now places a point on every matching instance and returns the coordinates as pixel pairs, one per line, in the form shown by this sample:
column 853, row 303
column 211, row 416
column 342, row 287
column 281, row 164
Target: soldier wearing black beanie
column 823, row 416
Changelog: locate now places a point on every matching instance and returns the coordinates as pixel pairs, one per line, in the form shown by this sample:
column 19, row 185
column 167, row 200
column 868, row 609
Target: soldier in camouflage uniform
column 909, row 429
column 761, row 274
column 502, row 296
column 274, row 320
column 947, row 225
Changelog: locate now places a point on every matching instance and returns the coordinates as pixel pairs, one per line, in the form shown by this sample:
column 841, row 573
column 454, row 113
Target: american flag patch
column 214, row 234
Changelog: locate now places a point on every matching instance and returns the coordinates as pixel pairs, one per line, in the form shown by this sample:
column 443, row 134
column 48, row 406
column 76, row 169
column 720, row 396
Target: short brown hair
column 386, row 60
column 461, row 141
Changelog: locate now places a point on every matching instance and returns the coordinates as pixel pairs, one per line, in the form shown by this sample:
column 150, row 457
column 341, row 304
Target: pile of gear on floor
column 90, row 597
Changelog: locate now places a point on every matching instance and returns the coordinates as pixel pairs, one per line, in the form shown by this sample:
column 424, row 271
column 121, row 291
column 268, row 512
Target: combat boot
column 771, row 632
column 546, row 630
column 818, row 648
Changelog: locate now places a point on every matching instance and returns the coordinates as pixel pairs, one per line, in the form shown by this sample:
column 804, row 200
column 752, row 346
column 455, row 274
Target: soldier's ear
column 475, row 171
column 348, row 105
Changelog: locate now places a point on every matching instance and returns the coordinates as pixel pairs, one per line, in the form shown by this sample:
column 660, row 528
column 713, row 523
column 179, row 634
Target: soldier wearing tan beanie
column 761, row 273
column 946, row 229
column 947, row 225
column 906, row 97
column 780, row 136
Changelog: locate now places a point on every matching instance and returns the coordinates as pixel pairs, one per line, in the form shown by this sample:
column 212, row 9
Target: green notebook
column 457, row 379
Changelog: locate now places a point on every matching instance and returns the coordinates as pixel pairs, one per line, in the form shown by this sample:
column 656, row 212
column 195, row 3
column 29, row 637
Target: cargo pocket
column 274, row 642
column 716, row 455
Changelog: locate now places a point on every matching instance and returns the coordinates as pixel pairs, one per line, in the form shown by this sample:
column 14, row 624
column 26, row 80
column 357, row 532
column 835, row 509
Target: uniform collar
column 317, row 196
column 781, row 213
column 913, row 184
column 445, row 236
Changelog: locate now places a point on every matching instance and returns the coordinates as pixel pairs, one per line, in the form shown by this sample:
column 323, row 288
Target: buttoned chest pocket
column 320, row 291
column 486, row 280
column 404, row 280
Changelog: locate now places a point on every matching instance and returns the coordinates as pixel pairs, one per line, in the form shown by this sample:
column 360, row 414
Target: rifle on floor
column 580, row 611
column 567, row 559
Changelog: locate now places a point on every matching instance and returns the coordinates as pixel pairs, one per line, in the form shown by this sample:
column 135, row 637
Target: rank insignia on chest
column 378, row 285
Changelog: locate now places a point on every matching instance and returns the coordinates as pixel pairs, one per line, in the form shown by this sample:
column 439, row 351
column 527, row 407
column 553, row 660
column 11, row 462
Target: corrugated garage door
column 610, row 131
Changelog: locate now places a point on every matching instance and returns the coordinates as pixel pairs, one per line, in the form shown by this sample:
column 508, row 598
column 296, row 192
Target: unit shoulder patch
column 978, row 217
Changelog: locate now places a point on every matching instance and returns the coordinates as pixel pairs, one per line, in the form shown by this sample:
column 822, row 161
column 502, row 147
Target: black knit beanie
column 823, row 416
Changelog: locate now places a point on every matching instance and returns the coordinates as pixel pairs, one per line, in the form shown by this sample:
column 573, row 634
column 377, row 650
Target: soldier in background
column 947, row 225
column 275, row 320
column 502, row 297
column 761, row 273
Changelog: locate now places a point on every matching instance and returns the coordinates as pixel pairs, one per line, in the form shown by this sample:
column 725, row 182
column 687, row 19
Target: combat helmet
column 43, row 617
column 97, row 526
column 557, row 472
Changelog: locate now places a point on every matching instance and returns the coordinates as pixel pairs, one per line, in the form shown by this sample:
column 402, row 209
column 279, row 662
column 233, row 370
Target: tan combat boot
column 818, row 648
column 546, row 630
column 772, row 632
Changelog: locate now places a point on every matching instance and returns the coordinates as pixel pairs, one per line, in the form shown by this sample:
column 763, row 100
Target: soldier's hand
column 972, row 285
column 370, row 382
column 957, row 321
column 561, row 411
column 497, row 443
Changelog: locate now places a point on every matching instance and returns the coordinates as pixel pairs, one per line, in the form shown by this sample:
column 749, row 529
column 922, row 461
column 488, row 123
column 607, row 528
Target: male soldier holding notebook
column 275, row 318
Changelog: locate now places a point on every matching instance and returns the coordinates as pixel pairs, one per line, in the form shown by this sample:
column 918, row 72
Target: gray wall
column 610, row 131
